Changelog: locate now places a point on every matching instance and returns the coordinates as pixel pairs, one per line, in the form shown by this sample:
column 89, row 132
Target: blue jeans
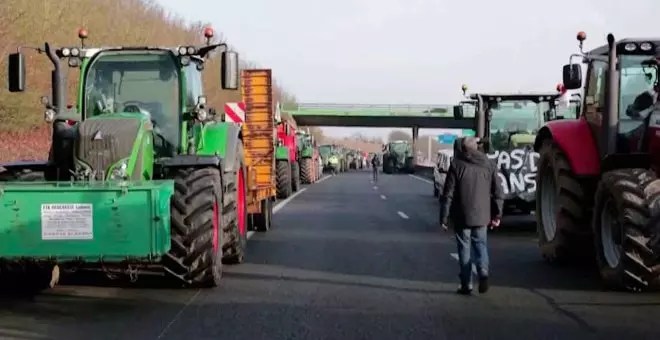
column 467, row 239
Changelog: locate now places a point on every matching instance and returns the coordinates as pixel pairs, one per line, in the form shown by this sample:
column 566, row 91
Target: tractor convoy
column 596, row 184
column 144, row 177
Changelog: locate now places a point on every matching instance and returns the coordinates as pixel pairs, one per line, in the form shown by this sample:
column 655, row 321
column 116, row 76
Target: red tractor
column 286, row 160
column 597, row 183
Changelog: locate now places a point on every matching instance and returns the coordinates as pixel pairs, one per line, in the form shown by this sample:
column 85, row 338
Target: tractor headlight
column 120, row 171
column 202, row 115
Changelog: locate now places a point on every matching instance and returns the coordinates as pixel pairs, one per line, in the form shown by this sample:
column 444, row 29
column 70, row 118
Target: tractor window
column 635, row 80
column 399, row 147
column 520, row 118
column 325, row 150
column 135, row 82
column 595, row 96
column 194, row 87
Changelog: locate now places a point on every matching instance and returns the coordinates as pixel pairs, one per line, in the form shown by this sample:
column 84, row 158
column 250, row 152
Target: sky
column 415, row 51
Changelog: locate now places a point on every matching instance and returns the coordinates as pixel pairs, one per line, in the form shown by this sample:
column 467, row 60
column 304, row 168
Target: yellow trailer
column 259, row 137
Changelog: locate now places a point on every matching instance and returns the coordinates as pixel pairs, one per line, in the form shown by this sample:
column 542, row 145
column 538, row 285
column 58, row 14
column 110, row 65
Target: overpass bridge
column 433, row 116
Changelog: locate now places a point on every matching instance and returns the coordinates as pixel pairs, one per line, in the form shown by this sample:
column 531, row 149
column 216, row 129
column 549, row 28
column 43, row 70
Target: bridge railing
column 376, row 109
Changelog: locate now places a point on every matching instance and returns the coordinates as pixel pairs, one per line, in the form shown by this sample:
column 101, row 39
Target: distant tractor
column 286, row 164
column 398, row 157
column 598, row 186
column 307, row 157
column 332, row 158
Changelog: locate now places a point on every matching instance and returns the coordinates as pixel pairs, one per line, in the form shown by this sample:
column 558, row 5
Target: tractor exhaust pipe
column 611, row 117
column 58, row 81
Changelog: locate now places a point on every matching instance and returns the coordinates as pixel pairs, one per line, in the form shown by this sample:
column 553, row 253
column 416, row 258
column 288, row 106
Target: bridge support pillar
column 415, row 136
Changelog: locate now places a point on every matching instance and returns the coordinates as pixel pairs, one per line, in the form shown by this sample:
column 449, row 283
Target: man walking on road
column 375, row 163
column 472, row 200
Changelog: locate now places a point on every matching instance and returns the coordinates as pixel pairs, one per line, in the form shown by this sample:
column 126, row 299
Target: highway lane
column 348, row 259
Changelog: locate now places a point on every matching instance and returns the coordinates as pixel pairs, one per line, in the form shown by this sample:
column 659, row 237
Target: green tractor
column 333, row 158
column 307, row 156
column 398, row 157
column 512, row 121
column 143, row 178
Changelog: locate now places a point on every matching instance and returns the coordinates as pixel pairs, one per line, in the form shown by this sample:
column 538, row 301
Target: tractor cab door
column 595, row 100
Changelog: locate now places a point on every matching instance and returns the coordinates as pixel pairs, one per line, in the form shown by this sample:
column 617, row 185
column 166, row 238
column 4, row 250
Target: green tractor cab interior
column 138, row 176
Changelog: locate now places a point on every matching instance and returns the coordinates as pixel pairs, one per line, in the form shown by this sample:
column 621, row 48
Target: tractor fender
column 234, row 138
column 575, row 140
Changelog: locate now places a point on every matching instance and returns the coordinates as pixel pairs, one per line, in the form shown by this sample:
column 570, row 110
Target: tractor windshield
column 400, row 147
column 636, row 79
column 325, row 150
column 138, row 82
column 519, row 118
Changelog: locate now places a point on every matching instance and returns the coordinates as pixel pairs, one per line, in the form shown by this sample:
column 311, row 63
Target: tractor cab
column 124, row 89
column 512, row 119
column 621, row 89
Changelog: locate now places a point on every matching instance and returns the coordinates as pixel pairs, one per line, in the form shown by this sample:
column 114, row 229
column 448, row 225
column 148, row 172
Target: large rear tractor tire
column 621, row 216
column 307, row 173
column 295, row 176
column 562, row 213
column 263, row 221
column 201, row 213
column 235, row 221
column 283, row 173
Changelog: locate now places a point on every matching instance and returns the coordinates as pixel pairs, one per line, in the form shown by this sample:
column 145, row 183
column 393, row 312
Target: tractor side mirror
column 572, row 76
column 16, row 72
column 458, row 112
column 229, row 71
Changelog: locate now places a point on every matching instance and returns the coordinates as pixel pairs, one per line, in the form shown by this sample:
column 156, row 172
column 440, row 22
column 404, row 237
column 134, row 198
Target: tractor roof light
column 581, row 37
column 646, row 46
column 82, row 35
column 49, row 115
column 630, row 47
column 208, row 34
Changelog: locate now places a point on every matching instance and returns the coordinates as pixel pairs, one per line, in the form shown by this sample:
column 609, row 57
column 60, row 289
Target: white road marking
column 375, row 187
column 455, row 257
column 383, row 197
column 282, row 204
column 421, row 179
column 279, row 205
column 403, row 215
column 323, row 179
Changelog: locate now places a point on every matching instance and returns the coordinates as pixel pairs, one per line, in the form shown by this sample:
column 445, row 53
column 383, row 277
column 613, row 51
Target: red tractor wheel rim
column 216, row 226
column 241, row 203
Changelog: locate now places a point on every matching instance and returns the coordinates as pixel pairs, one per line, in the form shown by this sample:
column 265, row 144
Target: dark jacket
column 375, row 161
column 472, row 194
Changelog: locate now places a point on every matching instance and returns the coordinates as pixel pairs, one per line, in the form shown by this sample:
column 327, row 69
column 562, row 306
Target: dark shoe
column 483, row 285
column 463, row 290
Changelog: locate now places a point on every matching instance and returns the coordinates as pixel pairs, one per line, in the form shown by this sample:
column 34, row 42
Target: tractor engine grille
column 104, row 142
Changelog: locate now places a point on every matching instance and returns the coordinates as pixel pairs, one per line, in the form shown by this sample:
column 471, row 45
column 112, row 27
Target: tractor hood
column 112, row 145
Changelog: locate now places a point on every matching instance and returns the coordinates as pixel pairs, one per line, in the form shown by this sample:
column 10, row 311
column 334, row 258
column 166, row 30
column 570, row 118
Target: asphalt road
column 350, row 260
